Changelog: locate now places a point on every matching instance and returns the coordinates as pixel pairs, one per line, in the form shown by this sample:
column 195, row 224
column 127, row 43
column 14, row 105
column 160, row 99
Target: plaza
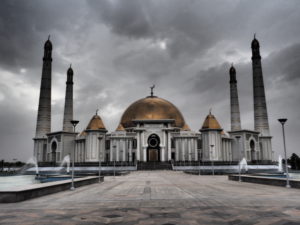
column 161, row 197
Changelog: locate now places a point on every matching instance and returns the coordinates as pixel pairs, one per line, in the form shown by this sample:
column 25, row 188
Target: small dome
column 48, row 45
column 152, row 108
column 96, row 124
column 211, row 122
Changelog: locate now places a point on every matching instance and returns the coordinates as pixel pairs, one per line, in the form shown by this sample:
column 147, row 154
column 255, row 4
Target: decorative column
column 138, row 147
column 130, row 150
column 169, row 145
column 177, row 157
column 182, row 149
column 124, row 150
column 189, row 149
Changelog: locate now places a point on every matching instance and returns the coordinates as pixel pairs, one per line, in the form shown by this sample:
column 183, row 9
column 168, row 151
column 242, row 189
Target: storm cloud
column 118, row 49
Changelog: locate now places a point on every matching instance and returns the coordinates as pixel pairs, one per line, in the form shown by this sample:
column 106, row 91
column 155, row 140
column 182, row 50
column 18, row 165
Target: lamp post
column 199, row 157
column 212, row 161
column 99, row 172
column 239, row 155
column 74, row 123
column 115, row 155
column 282, row 121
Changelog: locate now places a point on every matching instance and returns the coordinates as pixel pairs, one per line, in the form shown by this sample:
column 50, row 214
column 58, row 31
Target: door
column 153, row 155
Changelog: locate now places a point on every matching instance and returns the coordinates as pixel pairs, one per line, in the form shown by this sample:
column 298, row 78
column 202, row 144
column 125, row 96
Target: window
column 172, row 143
column 107, row 144
column 134, row 143
column 199, row 143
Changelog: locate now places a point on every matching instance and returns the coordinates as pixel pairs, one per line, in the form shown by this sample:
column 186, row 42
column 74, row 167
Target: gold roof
column 186, row 127
column 211, row 122
column 152, row 108
column 120, row 128
column 95, row 123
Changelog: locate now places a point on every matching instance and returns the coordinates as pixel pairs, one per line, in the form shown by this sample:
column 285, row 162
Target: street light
column 239, row 155
column 99, row 173
column 115, row 155
column 282, row 121
column 212, row 161
column 199, row 156
column 74, row 123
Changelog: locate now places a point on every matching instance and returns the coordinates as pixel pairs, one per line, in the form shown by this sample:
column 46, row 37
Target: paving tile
column 161, row 197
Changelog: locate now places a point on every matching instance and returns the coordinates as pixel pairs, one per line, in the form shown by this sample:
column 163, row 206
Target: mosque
column 153, row 129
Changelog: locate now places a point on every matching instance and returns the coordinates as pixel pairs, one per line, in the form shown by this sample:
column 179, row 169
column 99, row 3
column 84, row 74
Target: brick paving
column 161, row 197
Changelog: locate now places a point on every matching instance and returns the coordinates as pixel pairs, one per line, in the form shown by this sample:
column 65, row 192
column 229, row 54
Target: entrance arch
column 153, row 150
column 53, row 151
column 252, row 150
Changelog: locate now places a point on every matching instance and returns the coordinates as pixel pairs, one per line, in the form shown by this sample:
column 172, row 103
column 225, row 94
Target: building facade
column 153, row 129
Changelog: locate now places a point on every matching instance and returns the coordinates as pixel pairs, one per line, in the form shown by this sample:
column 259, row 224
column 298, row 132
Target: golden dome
column 211, row 122
column 152, row 108
column 95, row 123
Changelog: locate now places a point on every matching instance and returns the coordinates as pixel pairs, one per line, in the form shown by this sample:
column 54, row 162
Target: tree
column 294, row 161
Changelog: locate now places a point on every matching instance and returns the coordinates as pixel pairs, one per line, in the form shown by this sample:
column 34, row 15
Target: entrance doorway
column 153, row 150
column 252, row 151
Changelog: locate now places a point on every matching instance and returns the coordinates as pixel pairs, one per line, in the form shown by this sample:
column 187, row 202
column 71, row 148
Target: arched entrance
column 53, row 151
column 153, row 150
column 252, row 150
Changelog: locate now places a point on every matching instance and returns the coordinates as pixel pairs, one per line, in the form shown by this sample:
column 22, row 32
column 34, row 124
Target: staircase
column 154, row 166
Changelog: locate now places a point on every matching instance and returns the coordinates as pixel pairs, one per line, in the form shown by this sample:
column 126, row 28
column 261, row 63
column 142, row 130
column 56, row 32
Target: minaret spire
column 43, row 125
column 261, row 122
column 68, row 111
column 234, row 101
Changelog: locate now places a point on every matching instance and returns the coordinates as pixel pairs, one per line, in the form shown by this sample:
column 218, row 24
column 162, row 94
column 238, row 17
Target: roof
column 96, row 123
column 152, row 108
column 211, row 122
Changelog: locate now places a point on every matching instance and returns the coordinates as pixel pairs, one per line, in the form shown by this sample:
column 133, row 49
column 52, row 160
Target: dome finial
column 48, row 37
column 152, row 87
column 210, row 109
column 254, row 35
column 70, row 65
column 97, row 111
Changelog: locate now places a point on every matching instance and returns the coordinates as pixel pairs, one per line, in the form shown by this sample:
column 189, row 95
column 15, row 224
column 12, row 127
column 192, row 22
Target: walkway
column 161, row 197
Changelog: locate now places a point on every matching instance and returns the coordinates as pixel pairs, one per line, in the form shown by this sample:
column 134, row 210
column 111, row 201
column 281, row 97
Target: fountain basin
column 22, row 193
column 267, row 179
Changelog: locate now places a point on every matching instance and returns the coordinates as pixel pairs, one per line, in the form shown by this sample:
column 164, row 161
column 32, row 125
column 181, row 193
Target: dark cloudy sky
column 119, row 48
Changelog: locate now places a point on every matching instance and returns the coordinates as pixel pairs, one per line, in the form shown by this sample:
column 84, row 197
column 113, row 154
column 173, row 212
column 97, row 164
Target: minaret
column 68, row 112
column 261, row 123
column 43, row 125
column 234, row 101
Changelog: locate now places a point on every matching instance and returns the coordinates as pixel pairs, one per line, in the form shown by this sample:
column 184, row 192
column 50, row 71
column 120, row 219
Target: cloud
column 115, row 50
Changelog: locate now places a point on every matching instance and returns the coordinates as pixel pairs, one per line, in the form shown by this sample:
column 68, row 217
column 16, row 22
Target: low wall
column 226, row 169
column 88, row 169
column 37, row 190
column 265, row 180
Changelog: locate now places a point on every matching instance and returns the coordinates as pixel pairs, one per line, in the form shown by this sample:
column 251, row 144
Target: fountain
column 66, row 160
column 29, row 163
column 279, row 163
column 243, row 164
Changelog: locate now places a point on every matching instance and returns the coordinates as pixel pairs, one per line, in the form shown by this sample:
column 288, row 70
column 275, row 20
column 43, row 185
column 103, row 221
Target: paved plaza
column 161, row 197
